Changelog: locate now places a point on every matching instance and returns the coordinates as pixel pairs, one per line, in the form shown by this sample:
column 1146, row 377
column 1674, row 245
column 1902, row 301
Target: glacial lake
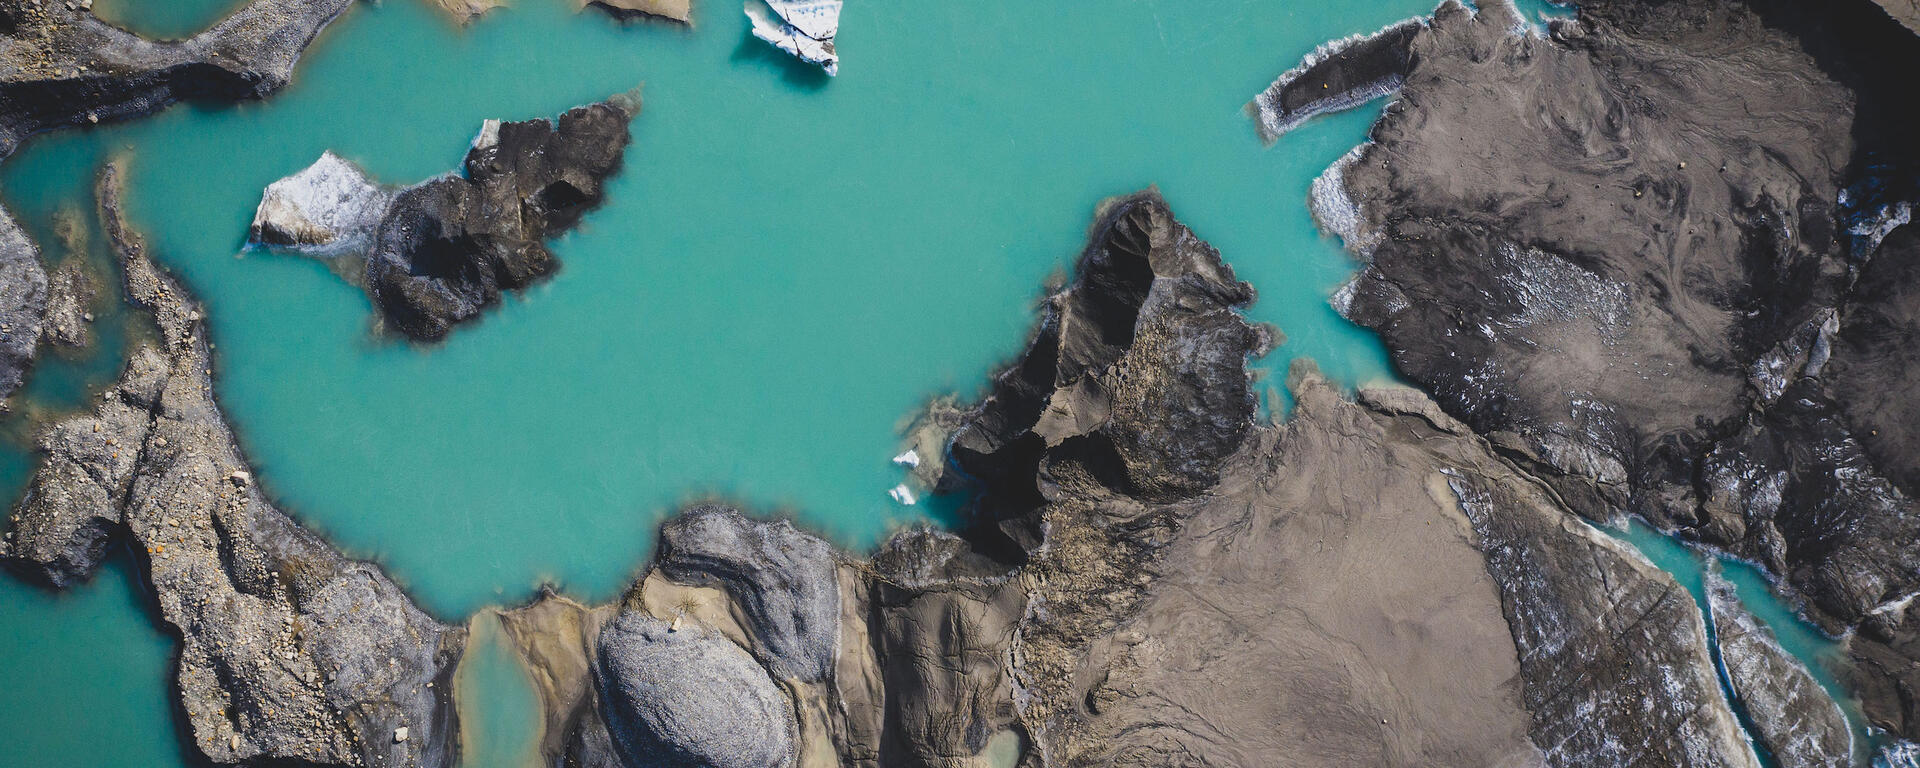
column 787, row 267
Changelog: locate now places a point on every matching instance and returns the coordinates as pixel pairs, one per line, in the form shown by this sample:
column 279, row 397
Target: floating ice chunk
column 911, row 458
column 901, row 493
column 803, row 28
column 328, row 207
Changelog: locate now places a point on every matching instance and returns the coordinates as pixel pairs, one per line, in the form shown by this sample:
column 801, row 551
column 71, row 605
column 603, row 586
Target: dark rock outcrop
column 440, row 252
column 782, row 579
column 289, row 651
column 60, row 66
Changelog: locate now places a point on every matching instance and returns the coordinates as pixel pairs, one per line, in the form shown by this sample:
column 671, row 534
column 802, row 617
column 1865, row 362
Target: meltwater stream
column 786, row 268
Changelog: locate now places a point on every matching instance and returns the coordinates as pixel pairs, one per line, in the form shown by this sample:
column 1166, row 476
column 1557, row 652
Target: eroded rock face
column 64, row 67
column 1136, row 377
column 440, row 252
column 23, row 303
column 289, row 651
column 783, row 579
column 1791, row 714
column 685, row 697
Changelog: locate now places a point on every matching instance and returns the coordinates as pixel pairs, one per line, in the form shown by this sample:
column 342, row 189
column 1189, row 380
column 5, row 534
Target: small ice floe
column 911, row 458
column 901, row 493
column 328, row 207
column 803, row 28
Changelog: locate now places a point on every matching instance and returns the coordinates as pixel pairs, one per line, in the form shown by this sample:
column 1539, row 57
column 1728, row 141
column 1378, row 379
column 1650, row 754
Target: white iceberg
column 901, row 493
column 910, row 459
column 803, row 28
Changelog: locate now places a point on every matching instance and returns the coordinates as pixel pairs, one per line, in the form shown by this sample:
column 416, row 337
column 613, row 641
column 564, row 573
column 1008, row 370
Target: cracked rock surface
column 289, row 651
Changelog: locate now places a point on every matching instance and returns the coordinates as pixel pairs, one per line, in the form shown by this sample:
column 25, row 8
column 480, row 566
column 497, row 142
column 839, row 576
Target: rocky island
column 437, row 253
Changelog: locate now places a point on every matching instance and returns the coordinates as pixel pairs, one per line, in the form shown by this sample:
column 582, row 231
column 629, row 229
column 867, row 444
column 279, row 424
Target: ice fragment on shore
column 803, row 28
column 910, row 459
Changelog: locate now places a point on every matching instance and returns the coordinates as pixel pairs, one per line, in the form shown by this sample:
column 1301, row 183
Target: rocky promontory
column 60, row 67
column 1790, row 713
column 23, row 304
column 289, row 651
column 438, row 253
column 1150, row 574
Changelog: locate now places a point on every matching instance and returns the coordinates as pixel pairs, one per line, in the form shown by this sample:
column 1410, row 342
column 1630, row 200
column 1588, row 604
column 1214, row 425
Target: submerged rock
column 289, row 652
column 685, row 697
column 440, row 252
column 803, row 28
column 1791, row 713
column 330, row 206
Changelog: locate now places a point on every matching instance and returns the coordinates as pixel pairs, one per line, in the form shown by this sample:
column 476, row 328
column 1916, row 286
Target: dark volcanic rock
column 289, row 651
column 23, row 302
column 64, row 67
column 442, row 251
column 1791, row 714
column 684, row 698
column 783, row 579
column 1136, row 376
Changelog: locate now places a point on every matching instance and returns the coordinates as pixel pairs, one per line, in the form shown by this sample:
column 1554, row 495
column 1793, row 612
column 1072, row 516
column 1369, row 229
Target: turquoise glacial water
column 1821, row 654
column 786, row 269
